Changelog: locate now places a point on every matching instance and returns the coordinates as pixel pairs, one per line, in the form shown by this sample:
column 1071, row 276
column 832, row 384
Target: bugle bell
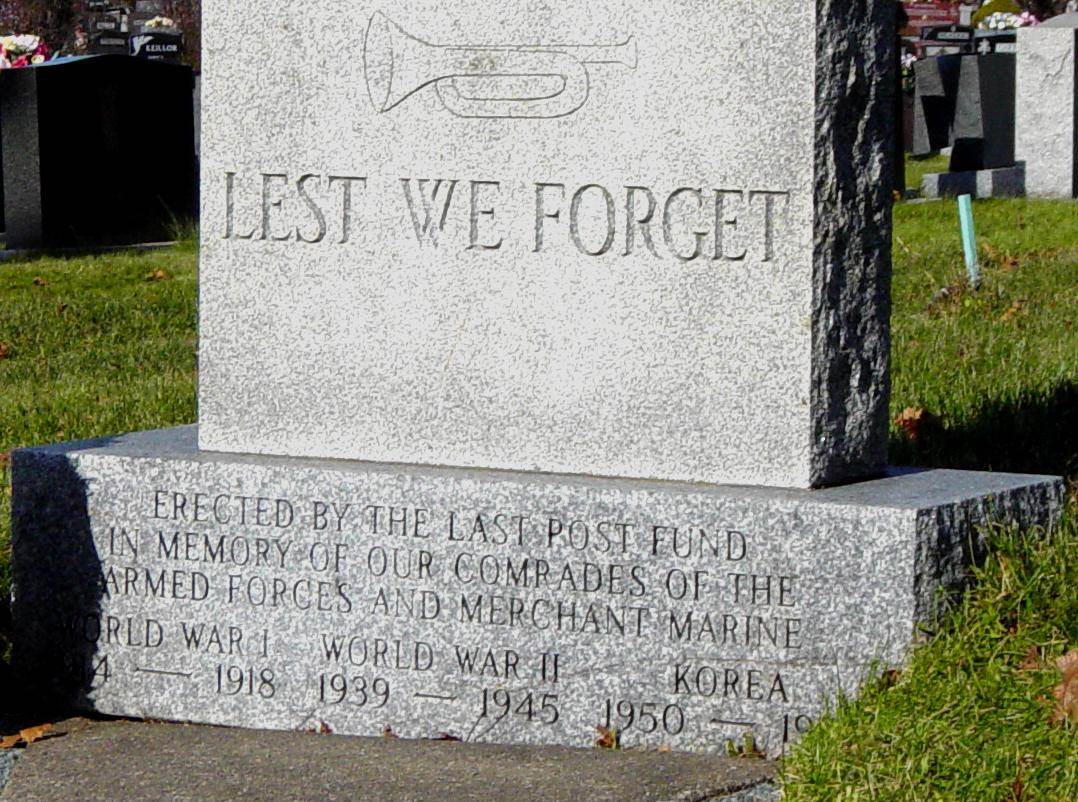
column 514, row 81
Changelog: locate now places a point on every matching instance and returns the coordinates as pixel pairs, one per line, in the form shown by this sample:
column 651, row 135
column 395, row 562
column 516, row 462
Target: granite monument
column 1047, row 107
column 496, row 310
column 97, row 151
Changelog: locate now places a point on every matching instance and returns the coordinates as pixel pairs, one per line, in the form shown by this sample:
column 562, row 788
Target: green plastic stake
column 969, row 239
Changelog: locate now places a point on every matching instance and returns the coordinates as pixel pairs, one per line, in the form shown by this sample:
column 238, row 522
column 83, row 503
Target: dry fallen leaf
column 446, row 736
column 946, row 296
column 158, row 275
column 608, row 738
column 1066, row 692
column 665, row 748
column 40, row 282
column 5, row 350
column 388, row 733
column 1032, row 660
column 1014, row 310
column 914, row 421
column 25, row 737
column 31, row 734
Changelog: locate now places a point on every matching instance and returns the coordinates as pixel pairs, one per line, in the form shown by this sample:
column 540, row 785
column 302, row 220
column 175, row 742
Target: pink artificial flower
column 21, row 61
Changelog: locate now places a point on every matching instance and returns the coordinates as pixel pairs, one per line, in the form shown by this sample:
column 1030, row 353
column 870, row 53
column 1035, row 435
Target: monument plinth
column 600, row 264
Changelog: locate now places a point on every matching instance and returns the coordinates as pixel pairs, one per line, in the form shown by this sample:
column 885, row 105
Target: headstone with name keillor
column 524, row 335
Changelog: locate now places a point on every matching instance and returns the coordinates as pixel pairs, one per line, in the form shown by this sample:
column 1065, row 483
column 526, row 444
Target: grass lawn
column 93, row 345
column 916, row 168
column 101, row 345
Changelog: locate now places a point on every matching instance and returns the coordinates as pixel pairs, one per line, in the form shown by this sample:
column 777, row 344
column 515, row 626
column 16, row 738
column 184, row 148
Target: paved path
column 125, row 760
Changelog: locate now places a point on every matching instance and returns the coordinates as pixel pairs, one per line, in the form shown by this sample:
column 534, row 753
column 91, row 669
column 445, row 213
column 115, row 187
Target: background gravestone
column 115, row 43
column 984, row 113
column 124, row 175
column 934, row 102
column 158, row 45
column 1047, row 112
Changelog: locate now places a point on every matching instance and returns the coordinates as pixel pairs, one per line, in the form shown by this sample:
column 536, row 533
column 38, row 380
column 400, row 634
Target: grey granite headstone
column 158, row 581
column 1047, row 114
column 660, row 251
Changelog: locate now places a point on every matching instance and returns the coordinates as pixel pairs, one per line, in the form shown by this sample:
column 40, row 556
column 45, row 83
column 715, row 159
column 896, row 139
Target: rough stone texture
column 855, row 128
column 7, row 764
column 1047, row 113
column 1004, row 182
column 92, row 761
column 764, row 792
column 494, row 350
column 793, row 595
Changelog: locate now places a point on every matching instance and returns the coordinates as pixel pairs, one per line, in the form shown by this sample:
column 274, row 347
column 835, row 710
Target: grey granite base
column 1003, row 182
column 153, row 580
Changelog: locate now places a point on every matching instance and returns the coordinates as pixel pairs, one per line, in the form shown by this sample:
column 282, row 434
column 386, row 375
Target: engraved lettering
column 429, row 222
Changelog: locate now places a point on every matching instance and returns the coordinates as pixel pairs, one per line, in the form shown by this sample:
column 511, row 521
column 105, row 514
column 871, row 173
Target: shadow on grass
column 1033, row 434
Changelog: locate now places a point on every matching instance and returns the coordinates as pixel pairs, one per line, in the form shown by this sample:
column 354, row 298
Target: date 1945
column 532, row 707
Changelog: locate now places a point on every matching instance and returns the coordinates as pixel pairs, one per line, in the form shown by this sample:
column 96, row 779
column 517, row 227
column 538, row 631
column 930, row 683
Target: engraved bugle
column 480, row 80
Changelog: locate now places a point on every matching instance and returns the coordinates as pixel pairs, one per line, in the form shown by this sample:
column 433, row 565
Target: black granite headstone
column 158, row 45
column 103, row 22
column 987, row 42
column 98, row 150
column 957, row 35
column 110, row 42
column 984, row 113
column 934, row 103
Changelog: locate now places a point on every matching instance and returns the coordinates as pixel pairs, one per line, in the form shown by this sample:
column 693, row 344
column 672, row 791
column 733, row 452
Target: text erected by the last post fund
column 362, row 614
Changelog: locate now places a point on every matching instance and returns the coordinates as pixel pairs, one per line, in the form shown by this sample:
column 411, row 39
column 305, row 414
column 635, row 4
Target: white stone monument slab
column 611, row 238
column 1046, row 119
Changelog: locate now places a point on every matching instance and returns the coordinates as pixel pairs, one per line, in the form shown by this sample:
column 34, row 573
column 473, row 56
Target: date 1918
column 245, row 681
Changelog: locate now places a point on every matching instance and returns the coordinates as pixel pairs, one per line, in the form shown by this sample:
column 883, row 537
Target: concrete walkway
column 125, row 760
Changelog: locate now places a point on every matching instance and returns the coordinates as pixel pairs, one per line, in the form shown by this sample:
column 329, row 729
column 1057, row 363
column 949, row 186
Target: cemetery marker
column 511, row 242
column 969, row 240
